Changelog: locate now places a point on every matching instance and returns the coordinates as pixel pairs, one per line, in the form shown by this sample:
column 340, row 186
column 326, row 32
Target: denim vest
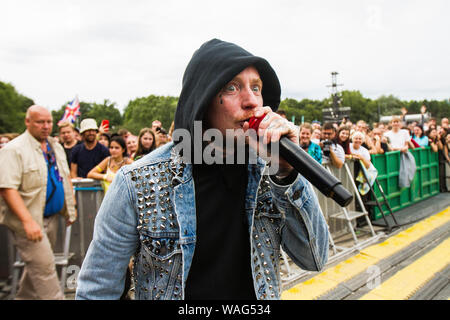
column 149, row 211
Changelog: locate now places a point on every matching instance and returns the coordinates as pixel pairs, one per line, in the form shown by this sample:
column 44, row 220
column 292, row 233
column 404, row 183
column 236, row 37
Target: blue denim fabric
column 149, row 212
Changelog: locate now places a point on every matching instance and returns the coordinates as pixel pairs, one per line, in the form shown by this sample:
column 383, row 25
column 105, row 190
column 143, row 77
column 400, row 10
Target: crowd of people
column 335, row 142
column 92, row 152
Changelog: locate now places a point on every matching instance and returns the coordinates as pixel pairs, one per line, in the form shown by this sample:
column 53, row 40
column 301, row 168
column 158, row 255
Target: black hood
column 212, row 66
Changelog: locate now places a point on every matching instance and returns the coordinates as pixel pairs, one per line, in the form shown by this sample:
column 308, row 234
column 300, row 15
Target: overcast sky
column 120, row 50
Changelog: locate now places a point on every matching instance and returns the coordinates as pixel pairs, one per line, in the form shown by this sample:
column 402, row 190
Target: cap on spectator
column 88, row 124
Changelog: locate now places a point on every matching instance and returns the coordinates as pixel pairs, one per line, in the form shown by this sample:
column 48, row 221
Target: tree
column 13, row 108
column 361, row 108
column 389, row 105
column 108, row 111
column 308, row 109
column 141, row 112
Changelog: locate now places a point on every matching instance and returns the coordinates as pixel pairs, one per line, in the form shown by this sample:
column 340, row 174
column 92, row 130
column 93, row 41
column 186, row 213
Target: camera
column 326, row 147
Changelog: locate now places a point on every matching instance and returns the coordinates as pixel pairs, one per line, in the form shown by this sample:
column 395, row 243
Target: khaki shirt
column 23, row 168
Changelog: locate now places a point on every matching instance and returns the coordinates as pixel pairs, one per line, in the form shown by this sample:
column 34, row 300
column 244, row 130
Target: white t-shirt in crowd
column 338, row 150
column 361, row 151
column 397, row 140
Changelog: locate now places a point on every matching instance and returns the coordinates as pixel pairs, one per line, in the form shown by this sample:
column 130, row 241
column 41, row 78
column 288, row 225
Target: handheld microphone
column 313, row 171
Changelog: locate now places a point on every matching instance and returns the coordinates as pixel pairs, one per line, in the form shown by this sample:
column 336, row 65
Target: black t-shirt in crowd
column 384, row 146
column 220, row 267
column 68, row 152
column 88, row 159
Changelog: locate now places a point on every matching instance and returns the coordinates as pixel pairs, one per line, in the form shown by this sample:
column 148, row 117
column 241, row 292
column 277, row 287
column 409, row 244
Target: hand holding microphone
column 304, row 164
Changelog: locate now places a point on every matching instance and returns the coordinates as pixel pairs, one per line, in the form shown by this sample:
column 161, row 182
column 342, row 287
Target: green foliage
column 107, row 111
column 438, row 109
column 13, row 107
column 390, row 105
column 309, row 109
column 141, row 112
column 361, row 108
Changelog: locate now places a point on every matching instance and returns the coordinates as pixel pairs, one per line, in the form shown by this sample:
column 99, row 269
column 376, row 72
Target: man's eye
column 256, row 88
column 231, row 88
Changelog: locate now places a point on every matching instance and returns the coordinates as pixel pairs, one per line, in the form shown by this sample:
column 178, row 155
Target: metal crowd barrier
column 424, row 185
column 341, row 222
column 89, row 195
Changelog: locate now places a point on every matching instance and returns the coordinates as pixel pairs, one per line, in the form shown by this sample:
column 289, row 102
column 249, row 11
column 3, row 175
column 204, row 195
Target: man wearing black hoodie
column 208, row 231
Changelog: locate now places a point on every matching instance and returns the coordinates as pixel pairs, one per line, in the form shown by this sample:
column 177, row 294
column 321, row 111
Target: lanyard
column 50, row 158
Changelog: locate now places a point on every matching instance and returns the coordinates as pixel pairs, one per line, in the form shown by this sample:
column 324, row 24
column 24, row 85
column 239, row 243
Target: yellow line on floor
column 330, row 278
column 407, row 281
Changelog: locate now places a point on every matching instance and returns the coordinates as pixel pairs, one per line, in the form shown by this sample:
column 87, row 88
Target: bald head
column 36, row 110
column 39, row 122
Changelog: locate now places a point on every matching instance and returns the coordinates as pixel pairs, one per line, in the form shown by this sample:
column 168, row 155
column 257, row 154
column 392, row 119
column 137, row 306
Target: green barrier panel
column 424, row 185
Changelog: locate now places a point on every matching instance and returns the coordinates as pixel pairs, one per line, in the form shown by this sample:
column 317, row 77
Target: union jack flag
column 72, row 111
